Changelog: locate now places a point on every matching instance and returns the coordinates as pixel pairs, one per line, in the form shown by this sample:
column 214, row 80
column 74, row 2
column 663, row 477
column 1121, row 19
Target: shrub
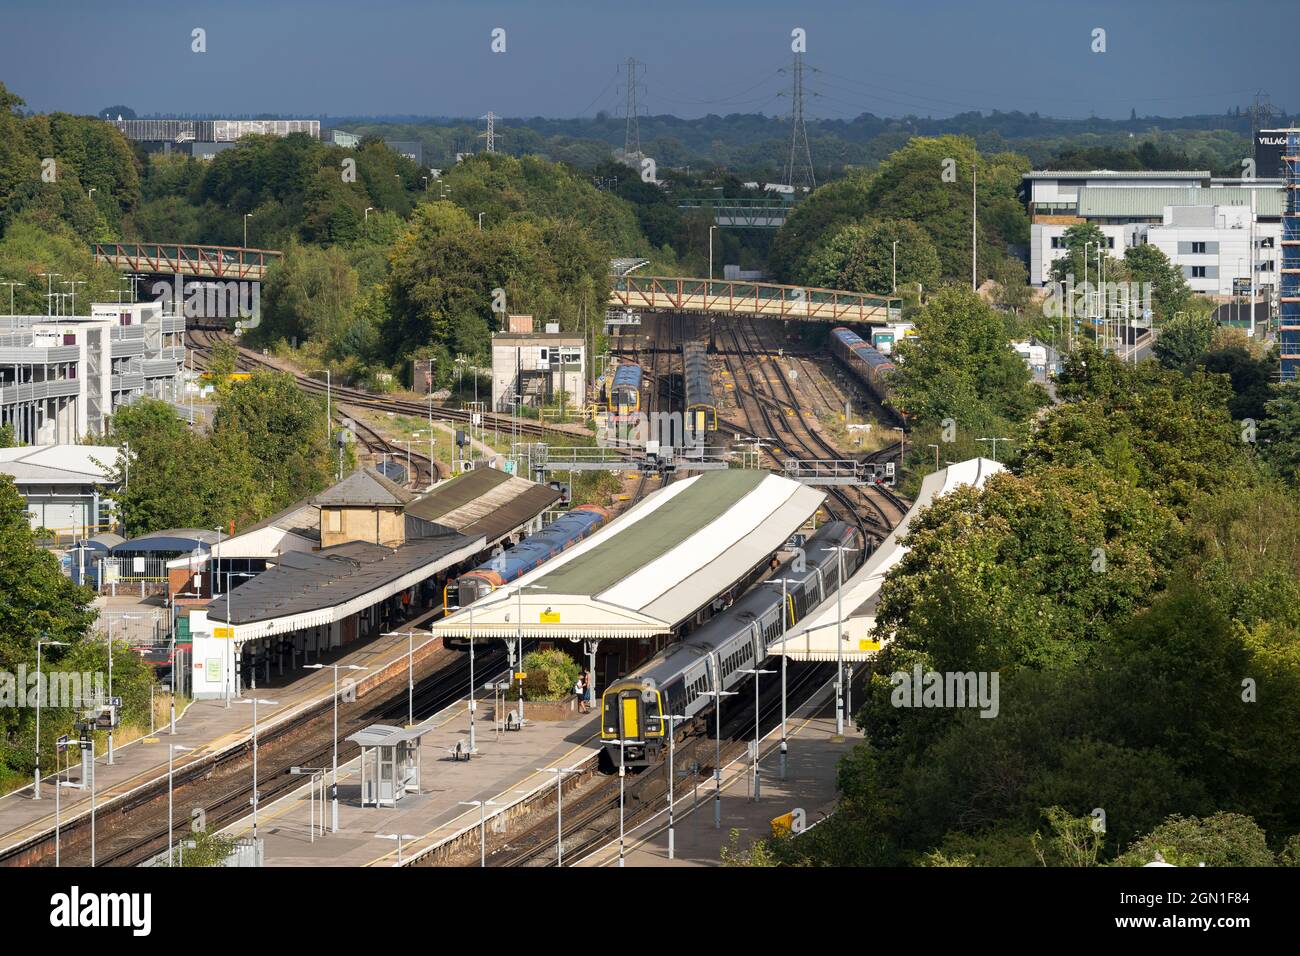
column 551, row 675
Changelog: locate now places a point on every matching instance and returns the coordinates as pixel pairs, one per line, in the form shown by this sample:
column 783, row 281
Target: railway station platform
column 810, row 785
column 504, row 771
column 207, row 727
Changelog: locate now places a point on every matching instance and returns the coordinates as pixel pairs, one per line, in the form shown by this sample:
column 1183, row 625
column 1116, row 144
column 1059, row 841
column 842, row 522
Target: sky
column 564, row 58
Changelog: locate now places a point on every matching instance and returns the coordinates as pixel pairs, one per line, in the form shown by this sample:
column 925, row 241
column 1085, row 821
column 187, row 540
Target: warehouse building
column 67, row 488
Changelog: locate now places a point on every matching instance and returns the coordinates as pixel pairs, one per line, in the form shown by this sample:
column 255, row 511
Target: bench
column 460, row 751
column 512, row 721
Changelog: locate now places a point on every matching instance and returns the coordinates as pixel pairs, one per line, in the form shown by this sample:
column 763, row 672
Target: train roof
column 697, row 378
column 628, row 374
column 847, row 336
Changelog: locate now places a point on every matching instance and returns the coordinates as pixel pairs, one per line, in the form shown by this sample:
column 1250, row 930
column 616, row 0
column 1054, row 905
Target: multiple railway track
column 591, row 816
column 133, row 830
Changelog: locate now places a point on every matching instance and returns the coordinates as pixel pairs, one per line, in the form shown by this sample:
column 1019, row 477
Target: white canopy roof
column 813, row 638
column 651, row 568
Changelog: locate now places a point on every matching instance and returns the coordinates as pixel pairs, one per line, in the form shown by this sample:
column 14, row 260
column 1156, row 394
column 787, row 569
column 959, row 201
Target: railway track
column 591, row 817
column 131, row 831
column 805, row 442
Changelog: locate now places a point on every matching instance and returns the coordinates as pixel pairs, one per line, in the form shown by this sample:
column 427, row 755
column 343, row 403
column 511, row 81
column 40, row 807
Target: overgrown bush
column 551, row 675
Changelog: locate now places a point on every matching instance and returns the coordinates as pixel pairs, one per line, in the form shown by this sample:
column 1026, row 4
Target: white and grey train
column 675, row 680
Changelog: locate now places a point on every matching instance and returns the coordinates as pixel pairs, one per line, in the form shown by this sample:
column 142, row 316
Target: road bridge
column 766, row 299
column 742, row 213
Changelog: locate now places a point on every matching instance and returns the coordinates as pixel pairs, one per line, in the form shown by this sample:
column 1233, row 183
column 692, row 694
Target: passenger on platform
column 590, row 689
column 580, row 692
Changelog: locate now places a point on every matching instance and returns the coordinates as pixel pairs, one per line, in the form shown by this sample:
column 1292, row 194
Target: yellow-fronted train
column 678, row 680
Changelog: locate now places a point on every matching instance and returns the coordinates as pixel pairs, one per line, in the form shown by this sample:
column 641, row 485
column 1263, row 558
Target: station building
column 338, row 568
column 62, row 377
column 651, row 573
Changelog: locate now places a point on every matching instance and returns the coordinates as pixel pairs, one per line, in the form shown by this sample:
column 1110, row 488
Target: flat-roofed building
column 544, row 368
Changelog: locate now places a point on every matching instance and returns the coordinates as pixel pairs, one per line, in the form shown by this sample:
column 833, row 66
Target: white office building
column 1206, row 226
column 62, row 377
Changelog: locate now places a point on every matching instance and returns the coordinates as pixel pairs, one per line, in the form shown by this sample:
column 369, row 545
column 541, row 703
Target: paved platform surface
column 812, row 762
column 206, row 726
column 504, row 771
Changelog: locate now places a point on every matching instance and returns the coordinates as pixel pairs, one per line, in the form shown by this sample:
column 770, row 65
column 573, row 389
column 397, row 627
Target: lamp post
column 40, row 698
column 171, row 756
column 247, row 216
column 936, row 455
column 786, row 615
column 315, row 778
column 839, row 642
column 334, row 772
column 559, row 807
column 711, row 229
column 895, row 268
column 519, row 638
column 756, row 672
column 230, row 626
column 480, row 222
column 59, row 784
column 255, row 700
column 482, row 825
column 672, row 746
column 399, row 837
column 995, row 444
column 717, row 696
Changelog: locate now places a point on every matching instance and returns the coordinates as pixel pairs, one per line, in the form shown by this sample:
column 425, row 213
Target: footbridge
column 207, row 262
column 767, row 299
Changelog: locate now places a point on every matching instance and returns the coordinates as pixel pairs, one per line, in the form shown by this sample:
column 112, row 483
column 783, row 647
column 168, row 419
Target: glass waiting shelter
column 390, row 763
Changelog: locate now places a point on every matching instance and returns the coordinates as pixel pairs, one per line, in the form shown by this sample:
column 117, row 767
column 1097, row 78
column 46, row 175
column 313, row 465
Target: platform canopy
column 813, row 638
column 651, row 568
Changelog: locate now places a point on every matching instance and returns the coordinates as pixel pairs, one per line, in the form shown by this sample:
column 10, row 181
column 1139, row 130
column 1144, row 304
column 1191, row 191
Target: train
column 865, row 363
column 623, row 394
column 680, row 678
column 701, row 423
column 501, row 569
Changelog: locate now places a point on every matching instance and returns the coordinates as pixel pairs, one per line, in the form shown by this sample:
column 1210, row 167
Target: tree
column 1223, row 839
column 309, row 294
column 822, row 214
column 960, row 365
column 1082, row 241
column 1279, row 434
column 1071, row 841
column 1146, row 263
column 861, row 258
column 1184, row 339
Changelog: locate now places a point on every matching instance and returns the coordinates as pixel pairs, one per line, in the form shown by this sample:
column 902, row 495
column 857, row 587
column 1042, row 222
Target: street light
column 255, row 700
column 40, row 697
column 480, row 222
column 711, row 229
column 334, row 773
column 839, row 642
column 230, row 627
column 473, row 748
column 519, row 639
column 410, row 670
column 247, row 216
column 672, row 746
column 559, row 807
column 785, row 657
column 717, row 750
column 756, row 672
column 399, row 837
column 171, row 756
column 482, row 825
column 995, row 444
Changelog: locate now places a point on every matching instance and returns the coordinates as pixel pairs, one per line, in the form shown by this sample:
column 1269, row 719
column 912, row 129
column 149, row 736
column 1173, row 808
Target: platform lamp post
column 11, row 293
column 672, row 747
column 230, row 626
column 399, row 837
column 255, row 700
column 839, row 642
column 59, row 785
column 171, row 757
column 482, row 825
column 894, row 270
column 178, row 594
column 334, row 772
column 785, row 657
column 410, row 669
column 473, row 747
column 559, row 807
column 717, row 751
column 40, row 698
column 936, row 455
column 757, row 672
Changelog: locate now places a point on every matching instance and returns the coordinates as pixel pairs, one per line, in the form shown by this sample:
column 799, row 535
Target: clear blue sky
column 432, row 57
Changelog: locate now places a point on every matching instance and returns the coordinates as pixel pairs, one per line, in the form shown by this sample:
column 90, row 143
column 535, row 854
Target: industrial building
column 542, row 368
column 62, row 377
column 210, row 130
column 1206, row 226
column 66, row 487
